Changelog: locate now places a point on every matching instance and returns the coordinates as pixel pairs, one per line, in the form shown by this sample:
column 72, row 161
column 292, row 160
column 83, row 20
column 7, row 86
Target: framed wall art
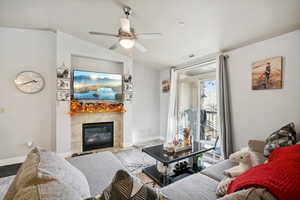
column 267, row 74
column 63, row 84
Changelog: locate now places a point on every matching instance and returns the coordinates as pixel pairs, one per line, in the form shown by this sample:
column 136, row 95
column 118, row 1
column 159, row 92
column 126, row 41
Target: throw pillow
column 42, row 166
column 53, row 190
column 127, row 187
column 285, row 136
column 54, row 166
column 26, row 175
column 250, row 194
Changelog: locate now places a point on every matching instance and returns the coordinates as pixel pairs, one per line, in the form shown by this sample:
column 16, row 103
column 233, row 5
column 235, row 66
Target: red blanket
column 281, row 175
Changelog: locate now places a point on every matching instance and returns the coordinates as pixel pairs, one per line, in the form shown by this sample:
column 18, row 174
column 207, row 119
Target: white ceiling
column 209, row 25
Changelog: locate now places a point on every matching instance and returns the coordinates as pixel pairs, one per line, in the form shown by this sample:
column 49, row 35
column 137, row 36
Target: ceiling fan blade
column 125, row 25
column 140, row 47
column 114, row 46
column 149, row 35
column 105, row 34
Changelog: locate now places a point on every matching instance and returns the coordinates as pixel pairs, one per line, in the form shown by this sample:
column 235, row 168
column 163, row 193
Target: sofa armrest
column 216, row 171
column 256, row 145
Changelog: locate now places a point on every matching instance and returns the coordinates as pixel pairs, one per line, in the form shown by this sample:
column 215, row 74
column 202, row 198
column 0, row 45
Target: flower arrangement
column 78, row 107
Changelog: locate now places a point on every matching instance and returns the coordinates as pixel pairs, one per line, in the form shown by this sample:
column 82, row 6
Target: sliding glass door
column 197, row 106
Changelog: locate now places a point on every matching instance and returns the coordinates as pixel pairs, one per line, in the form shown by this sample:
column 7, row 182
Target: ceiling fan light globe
column 127, row 43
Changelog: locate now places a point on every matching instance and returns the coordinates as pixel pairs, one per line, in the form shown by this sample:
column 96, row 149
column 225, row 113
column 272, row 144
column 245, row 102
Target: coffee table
column 160, row 155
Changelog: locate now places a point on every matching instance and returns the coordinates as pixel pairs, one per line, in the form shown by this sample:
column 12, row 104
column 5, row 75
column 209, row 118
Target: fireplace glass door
column 97, row 135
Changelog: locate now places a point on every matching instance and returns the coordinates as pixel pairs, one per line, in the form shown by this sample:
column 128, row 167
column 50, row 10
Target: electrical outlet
column 2, row 110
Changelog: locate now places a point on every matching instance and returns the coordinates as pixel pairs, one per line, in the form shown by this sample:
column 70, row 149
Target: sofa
column 98, row 168
column 195, row 187
column 204, row 184
column 96, row 171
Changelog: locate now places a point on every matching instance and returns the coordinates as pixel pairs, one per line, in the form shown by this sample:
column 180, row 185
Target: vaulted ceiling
column 198, row 27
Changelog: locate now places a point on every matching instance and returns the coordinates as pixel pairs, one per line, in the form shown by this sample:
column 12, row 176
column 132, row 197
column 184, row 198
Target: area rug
column 134, row 159
column 146, row 180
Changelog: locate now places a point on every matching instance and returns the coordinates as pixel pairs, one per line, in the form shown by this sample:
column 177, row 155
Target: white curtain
column 172, row 114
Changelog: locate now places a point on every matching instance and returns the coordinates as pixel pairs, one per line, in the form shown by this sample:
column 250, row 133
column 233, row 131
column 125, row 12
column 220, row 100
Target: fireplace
column 97, row 135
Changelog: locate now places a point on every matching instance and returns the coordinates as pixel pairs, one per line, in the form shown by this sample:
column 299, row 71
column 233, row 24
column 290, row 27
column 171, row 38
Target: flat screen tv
column 97, row 86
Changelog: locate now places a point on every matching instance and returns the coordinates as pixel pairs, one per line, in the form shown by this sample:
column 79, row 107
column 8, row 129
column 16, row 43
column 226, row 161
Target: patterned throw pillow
column 126, row 187
column 285, row 136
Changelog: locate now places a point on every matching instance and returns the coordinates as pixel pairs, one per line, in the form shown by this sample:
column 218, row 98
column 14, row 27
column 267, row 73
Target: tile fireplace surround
column 78, row 120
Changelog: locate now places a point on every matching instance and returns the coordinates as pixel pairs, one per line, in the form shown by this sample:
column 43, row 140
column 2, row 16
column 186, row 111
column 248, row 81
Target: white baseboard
column 20, row 159
column 144, row 140
column 13, row 160
column 125, row 145
column 64, row 155
column 162, row 138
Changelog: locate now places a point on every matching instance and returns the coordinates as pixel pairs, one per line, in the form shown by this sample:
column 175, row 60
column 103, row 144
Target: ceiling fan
column 127, row 36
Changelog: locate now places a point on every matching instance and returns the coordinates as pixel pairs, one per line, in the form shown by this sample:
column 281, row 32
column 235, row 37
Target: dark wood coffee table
column 160, row 155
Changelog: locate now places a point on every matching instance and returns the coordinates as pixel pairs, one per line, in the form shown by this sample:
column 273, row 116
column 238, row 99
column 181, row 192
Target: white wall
column 256, row 114
column 145, row 104
column 27, row 117
column 96, row 65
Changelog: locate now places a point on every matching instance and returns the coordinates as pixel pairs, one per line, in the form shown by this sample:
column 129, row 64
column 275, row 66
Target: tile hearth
column 77, row 122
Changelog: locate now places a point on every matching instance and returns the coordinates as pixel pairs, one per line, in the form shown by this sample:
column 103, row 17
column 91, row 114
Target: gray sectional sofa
column 44, row 174
column 100, row 168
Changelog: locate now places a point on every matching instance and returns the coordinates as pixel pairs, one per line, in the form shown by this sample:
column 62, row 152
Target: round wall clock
column 30, row 82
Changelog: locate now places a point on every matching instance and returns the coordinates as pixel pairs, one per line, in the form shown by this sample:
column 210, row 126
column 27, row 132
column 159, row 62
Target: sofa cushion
column 250, row 194
column 256, row 146
column 53, row 190
column 42, row 166
column 98, row 168
column 286, row 136
column 216, row 171
column 194, row 187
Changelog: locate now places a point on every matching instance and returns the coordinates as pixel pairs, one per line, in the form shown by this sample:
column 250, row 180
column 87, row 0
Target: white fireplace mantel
column 68, row 46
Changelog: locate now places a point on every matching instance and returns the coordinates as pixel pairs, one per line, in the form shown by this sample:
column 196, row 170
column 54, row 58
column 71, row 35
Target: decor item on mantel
column 78, row 107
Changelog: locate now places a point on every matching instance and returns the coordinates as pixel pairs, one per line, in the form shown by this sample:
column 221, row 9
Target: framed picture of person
column 267, row 74
column 63, row 84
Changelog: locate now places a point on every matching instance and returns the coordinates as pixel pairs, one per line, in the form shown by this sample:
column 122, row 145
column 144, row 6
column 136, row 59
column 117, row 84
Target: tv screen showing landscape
column 96, row 86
